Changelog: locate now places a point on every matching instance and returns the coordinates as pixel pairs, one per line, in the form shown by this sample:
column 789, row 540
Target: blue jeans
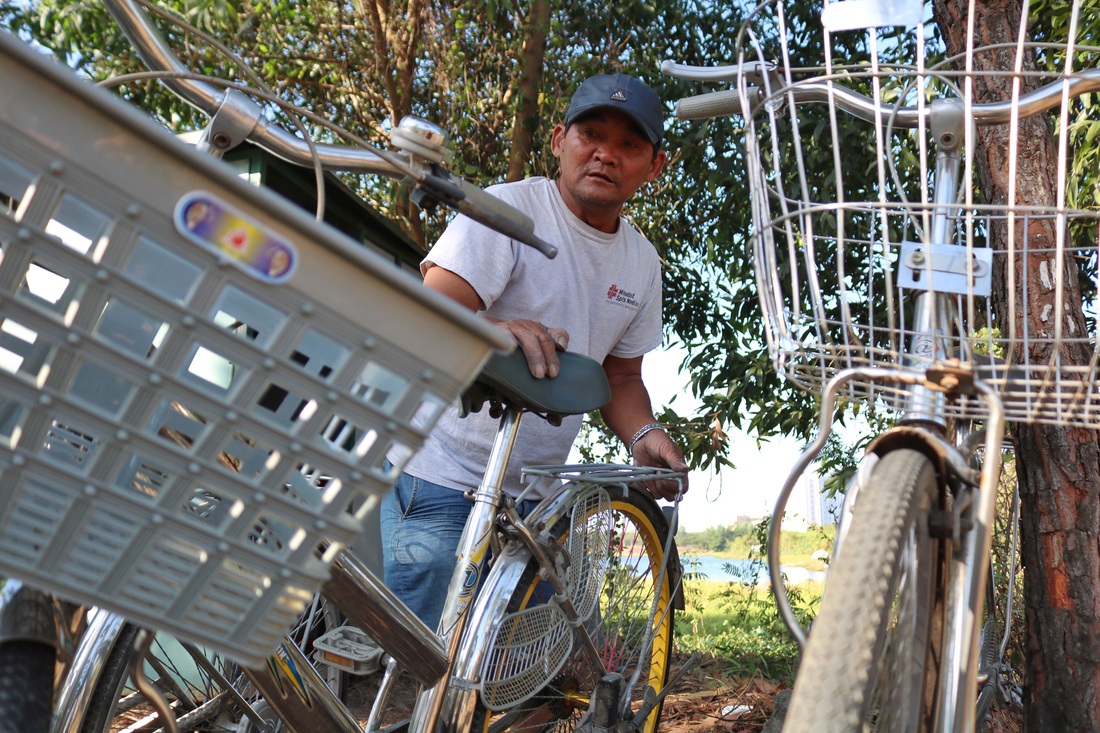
column 422, row 525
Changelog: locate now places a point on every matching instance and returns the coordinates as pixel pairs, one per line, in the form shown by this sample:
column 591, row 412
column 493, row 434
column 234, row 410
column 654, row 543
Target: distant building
column 809, row 506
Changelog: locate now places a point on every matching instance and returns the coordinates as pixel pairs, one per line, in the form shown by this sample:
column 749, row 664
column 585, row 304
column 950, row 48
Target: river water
column 715, row 568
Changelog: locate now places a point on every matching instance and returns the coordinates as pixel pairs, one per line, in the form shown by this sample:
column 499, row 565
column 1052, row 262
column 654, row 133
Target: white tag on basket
column 852, row 15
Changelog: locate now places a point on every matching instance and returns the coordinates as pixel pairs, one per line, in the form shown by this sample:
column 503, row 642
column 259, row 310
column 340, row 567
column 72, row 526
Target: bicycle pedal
column 349, row 649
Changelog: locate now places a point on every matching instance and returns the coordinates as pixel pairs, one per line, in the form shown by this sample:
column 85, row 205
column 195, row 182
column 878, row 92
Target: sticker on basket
column 225, row 231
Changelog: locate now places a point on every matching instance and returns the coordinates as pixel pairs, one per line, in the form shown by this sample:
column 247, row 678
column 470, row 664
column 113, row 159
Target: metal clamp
column 231, row 125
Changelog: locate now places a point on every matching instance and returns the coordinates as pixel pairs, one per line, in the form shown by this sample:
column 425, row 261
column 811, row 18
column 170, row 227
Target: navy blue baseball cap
column 631, row 96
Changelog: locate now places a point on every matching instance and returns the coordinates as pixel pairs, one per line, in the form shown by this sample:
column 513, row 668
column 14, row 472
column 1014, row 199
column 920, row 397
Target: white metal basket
column 842, row 211
column 199, row 384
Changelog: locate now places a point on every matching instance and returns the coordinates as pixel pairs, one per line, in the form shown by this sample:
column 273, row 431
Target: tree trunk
column 532, row 60
column 1058, row 467
column 397, row 33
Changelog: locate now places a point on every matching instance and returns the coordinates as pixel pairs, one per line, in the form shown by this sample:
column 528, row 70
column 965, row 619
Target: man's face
column 604, row 158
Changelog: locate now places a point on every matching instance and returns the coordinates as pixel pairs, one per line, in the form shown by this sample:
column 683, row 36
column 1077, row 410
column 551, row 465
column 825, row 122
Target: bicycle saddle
column 581, row 386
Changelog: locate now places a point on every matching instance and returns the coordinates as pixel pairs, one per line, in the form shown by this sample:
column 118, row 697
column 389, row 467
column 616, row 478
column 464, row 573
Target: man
column 601, row 296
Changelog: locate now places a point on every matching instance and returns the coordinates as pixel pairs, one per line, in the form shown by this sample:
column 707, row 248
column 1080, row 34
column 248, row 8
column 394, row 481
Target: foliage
column 735, row 539
column 362, row 69
column 340, row 61
column 1050, row 20
column 733, row 621
column 739, row 619
column 1007, row 570
column 431, row 58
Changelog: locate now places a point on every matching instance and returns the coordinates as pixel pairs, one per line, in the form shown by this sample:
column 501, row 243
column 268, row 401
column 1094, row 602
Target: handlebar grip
column 752, row 70
column 490, row 203
column 439, row 185
column 487, row 209
column 712, row 104
column 725, row 72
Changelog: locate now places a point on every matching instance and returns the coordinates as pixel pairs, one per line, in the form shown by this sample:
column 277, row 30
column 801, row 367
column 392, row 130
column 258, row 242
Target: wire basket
column 845, row 234
column 530, row 646
column 199, row 384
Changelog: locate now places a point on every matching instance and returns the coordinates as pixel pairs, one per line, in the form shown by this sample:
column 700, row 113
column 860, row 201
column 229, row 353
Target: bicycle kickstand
column 142, row 642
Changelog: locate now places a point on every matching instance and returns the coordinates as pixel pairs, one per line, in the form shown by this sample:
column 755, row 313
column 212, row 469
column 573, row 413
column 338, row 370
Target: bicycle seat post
column 486, row 502
column 470, row 555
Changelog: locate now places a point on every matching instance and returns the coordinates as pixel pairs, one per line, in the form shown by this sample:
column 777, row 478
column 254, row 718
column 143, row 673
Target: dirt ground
column 706, row 700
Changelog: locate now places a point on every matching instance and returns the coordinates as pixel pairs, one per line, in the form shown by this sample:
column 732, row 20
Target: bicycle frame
column 834, row 245
column 446, row 663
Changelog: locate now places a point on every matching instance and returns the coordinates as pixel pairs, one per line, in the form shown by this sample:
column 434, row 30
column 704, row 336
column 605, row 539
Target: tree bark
column 397, row 34
column 1058, row 467
column 532, row 61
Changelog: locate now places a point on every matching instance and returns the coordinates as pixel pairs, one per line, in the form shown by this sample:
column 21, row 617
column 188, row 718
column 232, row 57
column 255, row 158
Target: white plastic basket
column 842, row 209
column 189, row 428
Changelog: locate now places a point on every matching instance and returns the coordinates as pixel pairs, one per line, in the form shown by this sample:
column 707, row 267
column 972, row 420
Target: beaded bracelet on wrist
column 641, row 432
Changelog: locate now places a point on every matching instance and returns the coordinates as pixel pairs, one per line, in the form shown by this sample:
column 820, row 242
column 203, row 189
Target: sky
column 717, row 499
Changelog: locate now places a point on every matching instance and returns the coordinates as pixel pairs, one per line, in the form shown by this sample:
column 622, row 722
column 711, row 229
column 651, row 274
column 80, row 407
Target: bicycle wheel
column 987, row 649
column 194, row 681
column 26, row 686
column 871, row 661
column 632, row 584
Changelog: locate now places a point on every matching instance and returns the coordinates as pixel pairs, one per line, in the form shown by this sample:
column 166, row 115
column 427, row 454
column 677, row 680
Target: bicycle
column 603, row 547
column 875, row 275
column 261, row 441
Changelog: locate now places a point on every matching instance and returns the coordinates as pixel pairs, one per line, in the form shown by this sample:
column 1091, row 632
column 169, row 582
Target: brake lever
column 425, row 143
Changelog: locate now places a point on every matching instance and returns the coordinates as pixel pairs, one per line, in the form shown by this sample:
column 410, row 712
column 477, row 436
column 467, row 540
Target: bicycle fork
column 970, row 526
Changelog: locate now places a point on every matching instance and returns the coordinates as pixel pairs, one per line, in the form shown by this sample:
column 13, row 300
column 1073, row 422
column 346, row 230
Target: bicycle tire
column 870, row 662
column 640, row 539
column 182, row 672
column 987, row 692
column 26, row 686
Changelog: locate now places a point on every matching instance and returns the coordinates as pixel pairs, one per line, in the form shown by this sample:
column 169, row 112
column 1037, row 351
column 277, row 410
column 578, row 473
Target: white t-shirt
column 603, row 289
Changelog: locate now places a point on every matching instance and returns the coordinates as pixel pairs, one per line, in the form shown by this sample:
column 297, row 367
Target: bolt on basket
column 843, row 206
column 199, row 384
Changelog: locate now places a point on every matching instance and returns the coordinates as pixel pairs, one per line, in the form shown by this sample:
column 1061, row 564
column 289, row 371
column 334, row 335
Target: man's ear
column 557, row 139
column 658, row 165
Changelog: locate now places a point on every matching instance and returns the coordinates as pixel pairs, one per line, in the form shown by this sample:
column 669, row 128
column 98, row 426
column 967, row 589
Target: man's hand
column 657, row 449
column 540, row 344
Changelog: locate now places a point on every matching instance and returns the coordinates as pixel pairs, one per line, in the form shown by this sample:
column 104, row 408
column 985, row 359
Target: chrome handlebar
column 762, row 82
column 241, row 118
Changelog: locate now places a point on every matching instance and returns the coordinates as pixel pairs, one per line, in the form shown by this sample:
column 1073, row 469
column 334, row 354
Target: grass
column 736, row 618
column 739, row 624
